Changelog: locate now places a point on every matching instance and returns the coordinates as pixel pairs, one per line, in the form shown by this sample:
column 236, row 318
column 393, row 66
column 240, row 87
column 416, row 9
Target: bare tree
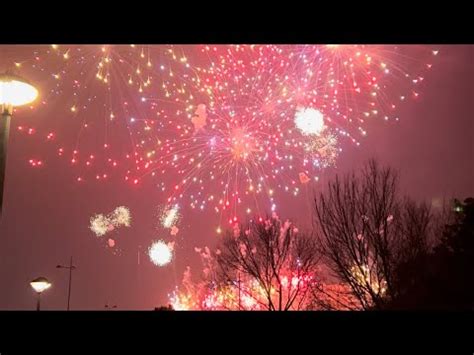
column 415, row 228
column 278, row 262
column 365, row 230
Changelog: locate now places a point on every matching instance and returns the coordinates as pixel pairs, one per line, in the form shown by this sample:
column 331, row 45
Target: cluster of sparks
column 247, row 294
column 102, row 224
column 221, row 127
column 367, row 279
column 203, row 296
column 169, row 217
column 243, row 293
column 250, row 297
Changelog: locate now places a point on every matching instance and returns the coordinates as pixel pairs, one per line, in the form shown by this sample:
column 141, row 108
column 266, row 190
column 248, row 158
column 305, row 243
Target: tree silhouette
column 441, row 278
column 365, row 231
column 274, row 258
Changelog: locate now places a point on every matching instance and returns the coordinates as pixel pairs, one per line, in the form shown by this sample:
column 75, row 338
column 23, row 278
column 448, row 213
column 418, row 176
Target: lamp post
column 14, row 91
column 39, row 285
column 70, row 267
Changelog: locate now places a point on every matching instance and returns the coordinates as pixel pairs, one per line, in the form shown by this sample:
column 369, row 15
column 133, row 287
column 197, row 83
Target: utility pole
column 70, row 267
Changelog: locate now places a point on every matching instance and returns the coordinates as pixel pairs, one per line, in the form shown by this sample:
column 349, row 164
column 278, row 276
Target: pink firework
column 253, row 120
column 226, row 128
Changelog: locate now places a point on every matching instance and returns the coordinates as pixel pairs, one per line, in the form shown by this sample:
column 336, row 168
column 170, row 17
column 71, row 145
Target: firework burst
column 226, row 128
column 121, row 217
column 309, row 121
column 100, row 92
column 160, row 253
column 255, row 118
column 102, row 224
column 169, row 217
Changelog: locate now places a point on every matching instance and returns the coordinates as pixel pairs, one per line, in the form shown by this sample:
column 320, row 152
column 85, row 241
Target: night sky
column 46, row 212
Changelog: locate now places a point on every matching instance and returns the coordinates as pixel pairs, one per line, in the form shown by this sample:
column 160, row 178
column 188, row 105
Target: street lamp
column 14, row 91
column 39, row 285
column 70, row 267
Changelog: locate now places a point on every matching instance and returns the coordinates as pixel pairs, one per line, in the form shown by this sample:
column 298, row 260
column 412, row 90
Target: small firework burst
column 100, row 225
column 160, row 253
column 121, row 216
column 170, row 216
column 323, row 149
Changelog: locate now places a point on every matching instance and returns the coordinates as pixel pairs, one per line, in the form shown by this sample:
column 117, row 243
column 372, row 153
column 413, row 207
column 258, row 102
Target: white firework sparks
column 323, row 149
column 170, row 216
column 160, row 253
column 121, row 216
column 309, row 121
column 100, row 225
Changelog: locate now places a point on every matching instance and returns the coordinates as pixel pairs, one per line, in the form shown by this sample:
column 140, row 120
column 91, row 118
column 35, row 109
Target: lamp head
column 16, row 91
column 40, row 284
